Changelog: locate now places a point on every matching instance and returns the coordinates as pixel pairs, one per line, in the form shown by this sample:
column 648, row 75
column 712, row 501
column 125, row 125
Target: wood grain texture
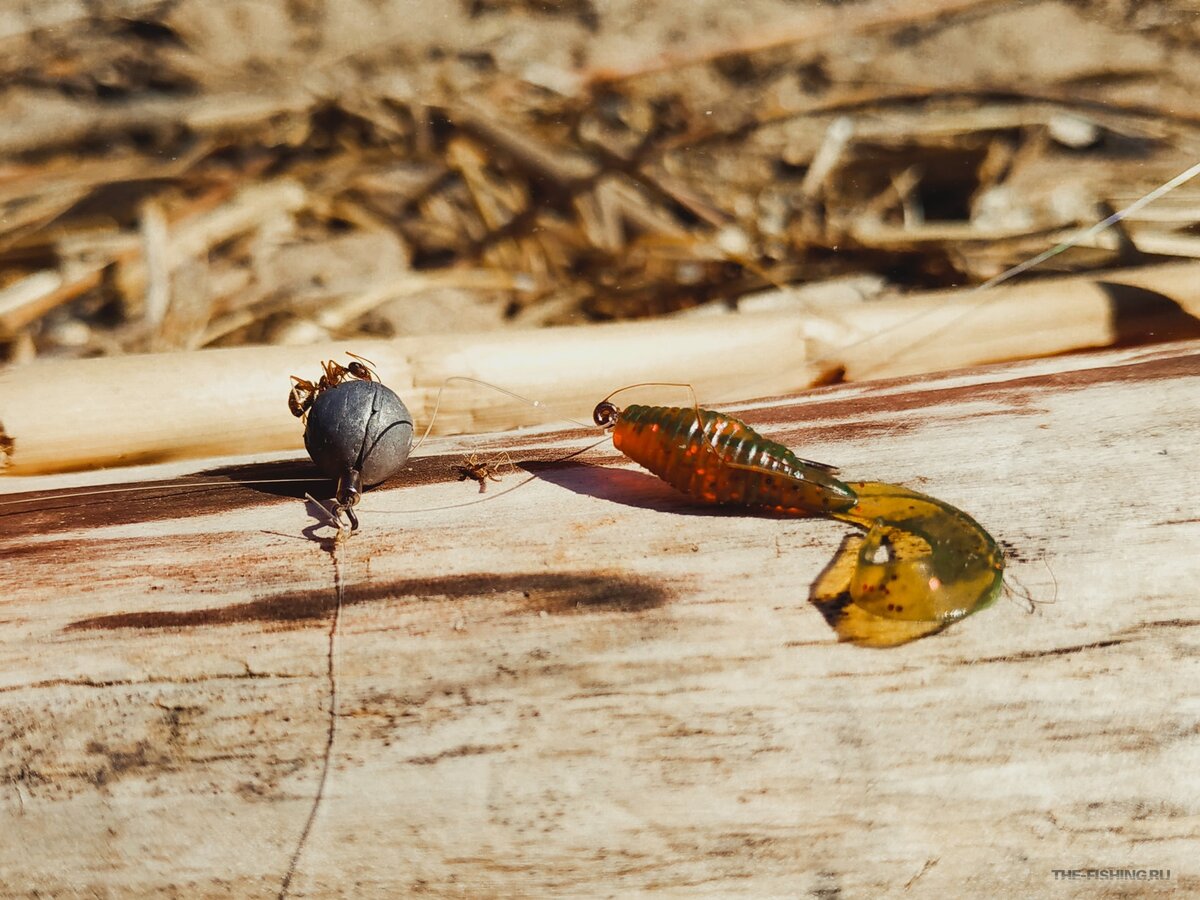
column 591, row 687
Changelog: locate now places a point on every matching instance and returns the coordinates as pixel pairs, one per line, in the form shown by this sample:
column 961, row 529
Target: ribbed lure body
column 719, row 459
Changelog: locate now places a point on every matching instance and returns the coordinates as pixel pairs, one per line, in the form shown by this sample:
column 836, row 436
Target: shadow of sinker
column 289, row 478
column 550, row 592
column 207, row 492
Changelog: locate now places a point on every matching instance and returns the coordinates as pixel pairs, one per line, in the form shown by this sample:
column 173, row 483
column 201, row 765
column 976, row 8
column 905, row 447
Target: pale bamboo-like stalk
column 59, row 416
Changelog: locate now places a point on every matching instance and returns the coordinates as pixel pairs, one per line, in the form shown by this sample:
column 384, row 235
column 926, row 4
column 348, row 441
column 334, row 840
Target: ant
column 304, row 392
column 482, row 471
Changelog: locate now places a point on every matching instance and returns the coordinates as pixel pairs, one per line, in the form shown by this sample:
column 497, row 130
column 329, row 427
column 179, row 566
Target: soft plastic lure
column 922, row 564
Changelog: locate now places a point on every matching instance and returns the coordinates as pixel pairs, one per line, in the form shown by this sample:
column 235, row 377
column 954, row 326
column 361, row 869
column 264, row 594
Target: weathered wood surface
column 590, row 686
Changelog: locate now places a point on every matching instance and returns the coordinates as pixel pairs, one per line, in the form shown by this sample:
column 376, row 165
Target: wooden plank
column 591, row 686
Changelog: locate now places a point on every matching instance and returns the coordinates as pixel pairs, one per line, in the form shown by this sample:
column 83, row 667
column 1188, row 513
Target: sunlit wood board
column 590, row 686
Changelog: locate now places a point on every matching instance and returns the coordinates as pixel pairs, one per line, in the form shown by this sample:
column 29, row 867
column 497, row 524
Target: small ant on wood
column 481, row 470
column 304, row 392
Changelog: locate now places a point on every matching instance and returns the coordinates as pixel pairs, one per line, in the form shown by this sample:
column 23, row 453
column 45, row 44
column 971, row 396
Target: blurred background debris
column 177, row 175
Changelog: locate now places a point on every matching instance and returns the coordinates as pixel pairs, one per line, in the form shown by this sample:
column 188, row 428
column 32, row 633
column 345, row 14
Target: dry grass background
column 185, row 174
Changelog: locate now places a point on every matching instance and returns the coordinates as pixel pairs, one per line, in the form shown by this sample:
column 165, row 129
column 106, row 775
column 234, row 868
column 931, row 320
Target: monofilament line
column 1088, row 233
column 331, row 731
column 1079, row 237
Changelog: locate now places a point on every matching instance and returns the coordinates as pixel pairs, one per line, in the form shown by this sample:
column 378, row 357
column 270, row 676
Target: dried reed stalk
column 85, row 413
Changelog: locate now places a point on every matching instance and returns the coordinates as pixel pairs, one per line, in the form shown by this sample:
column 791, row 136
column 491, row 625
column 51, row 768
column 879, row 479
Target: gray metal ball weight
column 359, row 426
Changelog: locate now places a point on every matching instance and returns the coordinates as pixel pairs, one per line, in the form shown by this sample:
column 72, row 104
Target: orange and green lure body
column 921, row 565
column 716, row 458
